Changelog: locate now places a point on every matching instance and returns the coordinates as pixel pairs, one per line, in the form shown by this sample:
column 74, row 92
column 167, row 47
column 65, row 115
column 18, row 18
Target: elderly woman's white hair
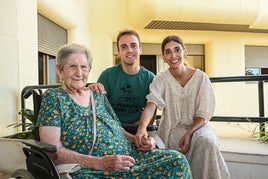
column 66, row 50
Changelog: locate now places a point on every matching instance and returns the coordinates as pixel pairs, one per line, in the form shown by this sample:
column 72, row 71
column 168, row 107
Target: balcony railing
column 26, row 92
column 261, row 118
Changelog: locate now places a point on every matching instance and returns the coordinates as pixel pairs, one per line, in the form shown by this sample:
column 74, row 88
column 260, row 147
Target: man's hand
column 97, row 87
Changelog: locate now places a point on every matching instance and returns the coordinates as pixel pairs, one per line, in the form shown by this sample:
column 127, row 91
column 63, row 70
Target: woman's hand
column 185, row 143
column 97, row 87
column 114, row 162
column 140, row 134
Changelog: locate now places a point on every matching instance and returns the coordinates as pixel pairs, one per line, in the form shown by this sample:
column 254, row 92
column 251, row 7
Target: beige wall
column 18, row 44
column 95, row 23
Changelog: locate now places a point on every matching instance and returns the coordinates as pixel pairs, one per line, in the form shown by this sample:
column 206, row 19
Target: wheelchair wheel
column 22, row 174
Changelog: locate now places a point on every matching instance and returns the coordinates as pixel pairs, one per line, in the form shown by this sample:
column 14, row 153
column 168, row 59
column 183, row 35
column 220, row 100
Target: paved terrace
column 246, row 158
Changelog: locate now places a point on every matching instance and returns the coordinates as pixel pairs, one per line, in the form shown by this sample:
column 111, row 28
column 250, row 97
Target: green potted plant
column 29, row 125
column 264, row 137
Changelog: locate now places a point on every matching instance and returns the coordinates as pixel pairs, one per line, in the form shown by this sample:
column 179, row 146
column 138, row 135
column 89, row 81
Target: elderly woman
column 86, row 131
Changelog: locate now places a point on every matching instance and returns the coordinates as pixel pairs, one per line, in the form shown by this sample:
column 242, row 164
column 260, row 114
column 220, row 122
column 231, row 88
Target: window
column 196, row 61
column 253, row 71
column 256, row 60
column 46, row 72
column 51, row 37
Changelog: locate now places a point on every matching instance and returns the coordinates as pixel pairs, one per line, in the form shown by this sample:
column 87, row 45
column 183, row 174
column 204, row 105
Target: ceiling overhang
column 212, row 15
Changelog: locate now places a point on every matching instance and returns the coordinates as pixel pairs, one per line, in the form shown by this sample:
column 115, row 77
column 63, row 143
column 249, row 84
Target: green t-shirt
column 126, row 93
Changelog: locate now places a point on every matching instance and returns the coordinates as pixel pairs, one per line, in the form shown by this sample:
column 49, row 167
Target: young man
column 127, row 83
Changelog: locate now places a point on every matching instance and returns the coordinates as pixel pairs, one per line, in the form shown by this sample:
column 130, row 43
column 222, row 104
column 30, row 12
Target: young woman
column 187, row 99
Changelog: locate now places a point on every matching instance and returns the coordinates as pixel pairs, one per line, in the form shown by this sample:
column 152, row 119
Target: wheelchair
column 38, row 163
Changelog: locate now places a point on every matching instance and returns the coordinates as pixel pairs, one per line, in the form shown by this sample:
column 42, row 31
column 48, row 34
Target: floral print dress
column 76, row 123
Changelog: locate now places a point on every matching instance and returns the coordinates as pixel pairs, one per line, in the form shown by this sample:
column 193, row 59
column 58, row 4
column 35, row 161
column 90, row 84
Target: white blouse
column 181, row 105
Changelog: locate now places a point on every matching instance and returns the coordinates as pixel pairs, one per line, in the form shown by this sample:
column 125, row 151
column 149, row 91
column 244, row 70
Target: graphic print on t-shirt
column 127, row 102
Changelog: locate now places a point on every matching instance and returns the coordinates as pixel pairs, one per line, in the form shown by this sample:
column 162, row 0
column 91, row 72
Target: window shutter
column 50, row 36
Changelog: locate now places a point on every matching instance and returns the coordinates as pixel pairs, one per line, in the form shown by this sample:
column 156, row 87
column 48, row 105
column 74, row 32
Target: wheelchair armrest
column 40, row 145
column 132, row 128
column 152, row 127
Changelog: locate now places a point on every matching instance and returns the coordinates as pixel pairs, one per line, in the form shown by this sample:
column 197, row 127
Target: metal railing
column 261, row 118
column 27, row 91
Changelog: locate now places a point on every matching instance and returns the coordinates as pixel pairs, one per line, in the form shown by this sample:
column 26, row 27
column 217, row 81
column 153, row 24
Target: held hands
column 116, row 162
column 143, row 142
column 148, row 143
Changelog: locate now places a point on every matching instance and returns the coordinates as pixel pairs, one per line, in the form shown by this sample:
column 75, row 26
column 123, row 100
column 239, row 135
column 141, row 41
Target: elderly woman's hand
column 115, row 162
